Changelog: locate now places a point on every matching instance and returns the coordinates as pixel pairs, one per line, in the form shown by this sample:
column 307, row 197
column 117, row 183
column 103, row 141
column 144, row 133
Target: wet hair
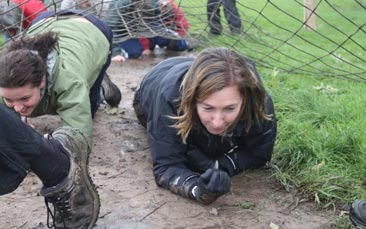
column 212, row 70
column 24, row 61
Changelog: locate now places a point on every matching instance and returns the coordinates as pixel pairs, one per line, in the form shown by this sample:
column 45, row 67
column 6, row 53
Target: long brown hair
column 24, row 61
column 212, row 70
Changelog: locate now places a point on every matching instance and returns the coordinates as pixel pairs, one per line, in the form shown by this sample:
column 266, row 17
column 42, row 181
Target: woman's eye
column 229, row 109
column 7, row 100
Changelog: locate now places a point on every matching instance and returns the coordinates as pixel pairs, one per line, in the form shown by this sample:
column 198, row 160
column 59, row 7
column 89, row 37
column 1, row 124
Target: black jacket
column 175, row 162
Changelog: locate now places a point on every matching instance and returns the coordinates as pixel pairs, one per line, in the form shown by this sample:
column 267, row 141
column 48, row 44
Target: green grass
column 321, row 145
column 274, row 34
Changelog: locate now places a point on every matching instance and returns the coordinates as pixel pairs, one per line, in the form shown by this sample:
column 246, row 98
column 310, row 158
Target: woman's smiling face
column 220, row 109
column 23, row 99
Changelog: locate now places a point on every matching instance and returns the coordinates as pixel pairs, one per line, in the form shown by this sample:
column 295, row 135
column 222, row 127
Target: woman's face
column 22, row 99
column 220, row 109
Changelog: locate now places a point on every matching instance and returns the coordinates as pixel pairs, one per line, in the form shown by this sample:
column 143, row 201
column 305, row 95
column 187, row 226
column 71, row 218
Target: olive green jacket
column 73, row 68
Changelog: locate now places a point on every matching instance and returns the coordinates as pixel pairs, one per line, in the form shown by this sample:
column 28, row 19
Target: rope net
column 319, row 37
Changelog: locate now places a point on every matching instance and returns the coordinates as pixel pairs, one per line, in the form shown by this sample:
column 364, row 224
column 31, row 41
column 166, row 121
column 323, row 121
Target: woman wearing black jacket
column 207, row 118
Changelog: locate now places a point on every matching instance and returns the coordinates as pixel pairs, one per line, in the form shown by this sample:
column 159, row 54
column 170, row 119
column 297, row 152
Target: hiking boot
column 112, row 94
column 75, row 200
column 357, row 213
column 215, row 32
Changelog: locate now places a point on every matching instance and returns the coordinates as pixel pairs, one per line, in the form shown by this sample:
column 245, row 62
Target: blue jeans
column 132, row 47
column 175, row 45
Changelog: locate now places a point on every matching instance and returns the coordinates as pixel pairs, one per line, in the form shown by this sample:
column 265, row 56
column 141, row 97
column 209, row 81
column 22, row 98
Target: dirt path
column 120, row 165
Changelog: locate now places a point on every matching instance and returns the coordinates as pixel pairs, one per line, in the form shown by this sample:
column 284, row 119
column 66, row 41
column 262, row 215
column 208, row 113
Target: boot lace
column 61, row 207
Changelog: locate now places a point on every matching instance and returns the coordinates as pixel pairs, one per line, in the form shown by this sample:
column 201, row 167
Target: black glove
column 227, row 164
column 211, row 184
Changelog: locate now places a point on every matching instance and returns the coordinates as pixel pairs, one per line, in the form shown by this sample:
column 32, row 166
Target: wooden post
column 310, row 21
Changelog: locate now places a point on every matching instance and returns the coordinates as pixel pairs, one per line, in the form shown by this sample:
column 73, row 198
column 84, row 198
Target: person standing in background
column 231, row 14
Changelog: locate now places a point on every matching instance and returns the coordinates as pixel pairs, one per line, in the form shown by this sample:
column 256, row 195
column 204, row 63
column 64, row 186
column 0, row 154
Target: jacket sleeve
column 73, row 107
column 168, row 152
column 258, row 146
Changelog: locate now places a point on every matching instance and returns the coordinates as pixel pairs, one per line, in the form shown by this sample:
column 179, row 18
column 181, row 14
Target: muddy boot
column 112, row 94
column 357, row 213
column 75, row 200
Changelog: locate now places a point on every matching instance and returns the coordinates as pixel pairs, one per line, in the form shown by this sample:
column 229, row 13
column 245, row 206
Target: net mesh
column 332, row 46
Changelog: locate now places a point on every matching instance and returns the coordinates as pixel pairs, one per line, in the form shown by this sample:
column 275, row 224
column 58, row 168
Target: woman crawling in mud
column 207, row 118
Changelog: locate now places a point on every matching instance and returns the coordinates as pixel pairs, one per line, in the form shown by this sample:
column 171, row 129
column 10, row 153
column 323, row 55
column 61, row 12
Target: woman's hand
column 118, row 58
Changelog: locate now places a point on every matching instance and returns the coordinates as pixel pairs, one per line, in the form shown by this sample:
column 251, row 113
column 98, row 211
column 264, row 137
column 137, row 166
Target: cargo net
column 306, row 37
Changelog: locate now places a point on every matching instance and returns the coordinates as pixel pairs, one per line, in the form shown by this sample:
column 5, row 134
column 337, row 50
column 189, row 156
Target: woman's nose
column 218, row 120
column 18, row 107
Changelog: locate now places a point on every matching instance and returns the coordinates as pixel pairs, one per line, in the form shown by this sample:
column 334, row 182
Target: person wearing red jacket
column 175, row 26
column 18, row 15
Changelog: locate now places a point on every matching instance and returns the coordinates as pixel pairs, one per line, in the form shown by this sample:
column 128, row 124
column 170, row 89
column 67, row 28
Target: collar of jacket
column 51, row 60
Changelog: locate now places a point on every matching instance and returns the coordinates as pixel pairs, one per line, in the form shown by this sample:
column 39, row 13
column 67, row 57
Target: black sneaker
column 215, row 32
column 112, row 94
column 75, row 200
column 357, row 213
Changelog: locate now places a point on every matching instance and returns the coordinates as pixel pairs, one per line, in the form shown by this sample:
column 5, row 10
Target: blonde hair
column 213, row 70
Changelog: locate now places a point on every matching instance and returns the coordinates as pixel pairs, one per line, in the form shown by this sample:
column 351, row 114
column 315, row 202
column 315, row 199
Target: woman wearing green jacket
column 57, row 67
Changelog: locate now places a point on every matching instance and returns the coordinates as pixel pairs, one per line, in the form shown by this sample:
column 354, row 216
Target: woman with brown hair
column 56, row 67
column 208, row 118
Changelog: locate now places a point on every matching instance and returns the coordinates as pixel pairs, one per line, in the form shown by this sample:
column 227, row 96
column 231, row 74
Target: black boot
column 75, row 200
column 357, row 213
column 112, row 94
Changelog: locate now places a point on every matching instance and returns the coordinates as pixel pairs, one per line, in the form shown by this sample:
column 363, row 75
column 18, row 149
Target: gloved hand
column 211, row 184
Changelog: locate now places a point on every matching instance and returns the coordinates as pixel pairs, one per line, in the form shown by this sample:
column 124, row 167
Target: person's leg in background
column 132, row 47
column 213, row 16
column 160, row 41
column 232, row 16
column 60, row 162
column 178, row 45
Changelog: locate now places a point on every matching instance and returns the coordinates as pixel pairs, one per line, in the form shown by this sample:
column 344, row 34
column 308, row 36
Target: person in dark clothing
column 208, row 118
column 231, row 14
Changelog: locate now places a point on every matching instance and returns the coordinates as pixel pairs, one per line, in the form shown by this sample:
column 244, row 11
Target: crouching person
column 208, row 118
column 56, row 67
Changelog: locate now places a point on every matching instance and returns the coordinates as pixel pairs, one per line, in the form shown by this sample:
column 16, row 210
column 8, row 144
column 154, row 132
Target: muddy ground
column 121, row 167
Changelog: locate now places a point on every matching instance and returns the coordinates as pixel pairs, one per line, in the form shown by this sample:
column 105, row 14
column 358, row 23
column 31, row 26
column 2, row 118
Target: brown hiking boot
column 112, row 94
column 75, row 200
